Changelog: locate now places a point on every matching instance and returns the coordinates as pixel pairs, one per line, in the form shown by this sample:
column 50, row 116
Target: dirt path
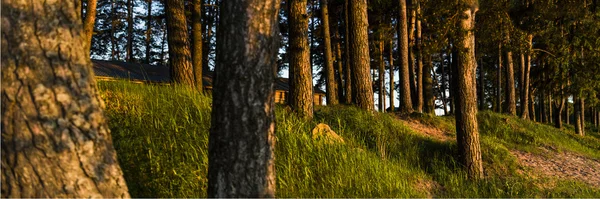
column 431, row 131
column 563, row 165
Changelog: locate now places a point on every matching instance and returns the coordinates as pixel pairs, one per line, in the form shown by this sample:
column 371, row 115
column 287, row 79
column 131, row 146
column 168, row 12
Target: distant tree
column 130, row 33
column 331, row 83
column 467, row 133
column 301, row 89
column 405, row 91
column 242, row 135
column 148, row 31
column 179, row 52
column 55, row 139
column 348, row 68
column 197, row 43
column 88, row 23
column 511, row 101
column 359, row 54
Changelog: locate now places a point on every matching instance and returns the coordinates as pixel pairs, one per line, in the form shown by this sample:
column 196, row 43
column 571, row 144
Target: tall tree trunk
column 511, row 100
column 429, row 106
column 330, row 72
column 550, row 109
column 88, row 24
column 392, row 71
column 179, row 51
column 542, row 105
column 340, row 68
column 558, row 105
column 444, row 98
column 301, row 89
column 419, row 71
column 498, row 107
column 56, row 142
column 129, row 31
column 197, row 43
column 567, row 110
column 453, row 80
column 348, row 71
column 149, row 32
column 381, row 73
column 532, row 105
column 405, row 91
column 113, row 23
column 525, row 86
column 241, row 160
column 579, row 119
column 412, row 13
column 359, row 54
column 466, row 107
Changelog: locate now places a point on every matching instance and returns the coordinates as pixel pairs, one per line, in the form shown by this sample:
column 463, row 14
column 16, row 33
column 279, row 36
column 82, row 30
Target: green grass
column 161, row 137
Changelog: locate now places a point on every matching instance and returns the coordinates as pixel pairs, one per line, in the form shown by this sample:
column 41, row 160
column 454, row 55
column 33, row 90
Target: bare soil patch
column 562, row 165
column 430, row 131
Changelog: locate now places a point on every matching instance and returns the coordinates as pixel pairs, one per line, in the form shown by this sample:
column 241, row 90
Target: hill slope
column 161, row 136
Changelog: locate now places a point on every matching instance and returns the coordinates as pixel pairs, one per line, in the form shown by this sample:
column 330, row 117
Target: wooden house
column 146, row 73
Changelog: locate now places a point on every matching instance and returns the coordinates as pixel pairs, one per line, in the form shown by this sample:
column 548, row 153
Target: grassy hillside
column 161, row 136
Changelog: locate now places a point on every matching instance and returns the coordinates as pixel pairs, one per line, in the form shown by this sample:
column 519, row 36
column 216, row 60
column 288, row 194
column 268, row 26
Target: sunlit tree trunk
column 419, row 53
column 56, row 142
column 330, row 72
column 88, row 24
column 412, row 21
column 179, row 52
column 467, row 133
column 241, row 145
column 511, row 101
column 301, row 90
column 405, row 91
column 359, row 54
column 428, row 106
column 392, row 71
column 348, row 67
column 197, row 43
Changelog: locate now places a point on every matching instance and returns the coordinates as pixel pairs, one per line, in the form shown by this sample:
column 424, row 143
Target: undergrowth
column 161, row 137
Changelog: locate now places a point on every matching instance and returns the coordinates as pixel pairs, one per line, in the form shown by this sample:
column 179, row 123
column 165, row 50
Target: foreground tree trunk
column 405, row 95
column 301, row 90
column 359, row 54
column 179, row 51
column 242, row 135
column 330, row 72
column 88, row 24
column 428, row 106
column 197, row 43
column 55, row 139
column 419, row 71
column 466, row 103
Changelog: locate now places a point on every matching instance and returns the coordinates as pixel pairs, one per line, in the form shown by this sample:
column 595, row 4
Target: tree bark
column 525, row 83
column 498, row 107
column 301, row 89
column 242, row 135
column 466, row 107
column 330, row 72
column 567, row 116
column 444, row 98
column 129, row 31
column 88, row 24
column 55, row 139
column 511, row 101
column 411, row 11
column 429, row 106
column 392, row 71
column 197, row 43
column 579, row 121
column 348, row 71
column 405, row 91
column 179, row 51
column 359, row 54
column 149, row 32
column 558, row 105
column 340, row 68
column 532, row 105
column 381, row 73
column 418, row 43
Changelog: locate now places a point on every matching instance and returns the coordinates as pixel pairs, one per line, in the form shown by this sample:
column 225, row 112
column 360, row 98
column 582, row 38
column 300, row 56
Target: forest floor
column 552, row 163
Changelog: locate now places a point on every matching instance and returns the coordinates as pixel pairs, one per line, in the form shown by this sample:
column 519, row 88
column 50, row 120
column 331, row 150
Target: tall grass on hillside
column 161, row 136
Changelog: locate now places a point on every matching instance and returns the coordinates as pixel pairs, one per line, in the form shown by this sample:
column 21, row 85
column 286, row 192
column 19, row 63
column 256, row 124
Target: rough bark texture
column 511, row 100
column 348, row 71
column 88, row 24
column 524, row 84
column 242, row 135
column 466, row 103
column 129, row 30
column 359, row 54
column 392, row 71
column 331, row 84
column 179, row 51
column 578, row 122
column 411, row 54
column 340, row 68
column 55, row 139
column 149, row 32
column 301, row 90
column 419, row 72
column 558, row 107
column 428, row 97
column 197, row 43
column 405, row 95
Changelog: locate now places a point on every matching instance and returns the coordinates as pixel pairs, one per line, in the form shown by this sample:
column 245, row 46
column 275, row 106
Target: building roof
column 160, row 74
